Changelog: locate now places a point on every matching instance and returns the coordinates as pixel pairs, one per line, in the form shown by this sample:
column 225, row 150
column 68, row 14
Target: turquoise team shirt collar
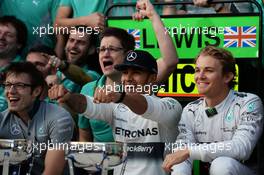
column 101, row 81
column 16, row 59
column 84, row 7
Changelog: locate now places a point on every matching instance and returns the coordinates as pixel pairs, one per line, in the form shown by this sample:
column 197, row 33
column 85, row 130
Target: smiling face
column 8, row 40
column 133, row 79
column 209, row 77
column 21, row 96
column 77, row 47
column 113, row 54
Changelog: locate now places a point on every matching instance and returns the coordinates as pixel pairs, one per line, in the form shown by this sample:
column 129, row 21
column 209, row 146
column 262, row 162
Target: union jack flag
column 244, row 36
column 136, row 34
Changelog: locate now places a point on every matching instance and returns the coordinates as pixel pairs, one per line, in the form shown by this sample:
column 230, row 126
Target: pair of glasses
column 17, row 86
column 109, row 49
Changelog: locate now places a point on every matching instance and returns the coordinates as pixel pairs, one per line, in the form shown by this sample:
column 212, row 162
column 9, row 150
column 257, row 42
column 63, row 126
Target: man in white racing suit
column 223, row 126
column 143, row 120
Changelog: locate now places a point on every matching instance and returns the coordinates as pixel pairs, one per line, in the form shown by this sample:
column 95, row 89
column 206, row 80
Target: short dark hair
column 36, row 77
column 127, row 40
column 21, row 29
column 42, row 49
column 226, row 59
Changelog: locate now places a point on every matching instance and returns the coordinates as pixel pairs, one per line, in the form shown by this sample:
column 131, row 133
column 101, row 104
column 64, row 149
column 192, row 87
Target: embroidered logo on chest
column 15, row 129
column 229, row 117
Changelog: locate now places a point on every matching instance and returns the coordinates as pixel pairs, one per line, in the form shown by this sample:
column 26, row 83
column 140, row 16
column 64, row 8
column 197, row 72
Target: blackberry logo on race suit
column 200, row 133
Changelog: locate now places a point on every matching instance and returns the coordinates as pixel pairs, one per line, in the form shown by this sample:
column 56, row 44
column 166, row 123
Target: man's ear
column 229, row 77
column 37, row 91
column 152, row 78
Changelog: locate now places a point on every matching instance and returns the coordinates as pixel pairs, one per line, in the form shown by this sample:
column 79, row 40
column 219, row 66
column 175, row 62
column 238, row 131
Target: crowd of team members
column 60, row 94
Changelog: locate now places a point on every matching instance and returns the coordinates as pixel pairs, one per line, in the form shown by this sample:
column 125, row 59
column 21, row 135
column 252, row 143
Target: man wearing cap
column 136, row 115
column 114, row 45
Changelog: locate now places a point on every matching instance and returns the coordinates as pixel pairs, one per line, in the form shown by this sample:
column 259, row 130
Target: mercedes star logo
column 15, row 129
column 131, row 56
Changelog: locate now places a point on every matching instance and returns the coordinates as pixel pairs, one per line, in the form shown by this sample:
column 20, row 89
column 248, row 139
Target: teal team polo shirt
column 85, row 7
column 37, row 15
column 102, row 131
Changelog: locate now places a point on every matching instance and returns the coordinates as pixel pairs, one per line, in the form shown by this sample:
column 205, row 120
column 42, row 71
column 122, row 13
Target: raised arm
column 64, row 19
column 76, row 102
column 64, row 22
column 82, row 104
column 169, row 59
column 149, row 107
